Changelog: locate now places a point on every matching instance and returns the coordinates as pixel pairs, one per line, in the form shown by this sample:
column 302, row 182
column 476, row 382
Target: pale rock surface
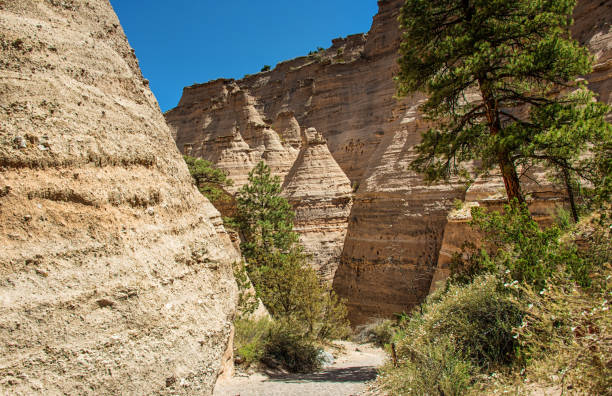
column 220, row 122
column 321, row 196
column 115, row 273
column 397, row 222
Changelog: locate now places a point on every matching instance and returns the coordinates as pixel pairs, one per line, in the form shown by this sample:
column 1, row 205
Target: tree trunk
column 511, row 179
column 570, row 193
column 506, row 166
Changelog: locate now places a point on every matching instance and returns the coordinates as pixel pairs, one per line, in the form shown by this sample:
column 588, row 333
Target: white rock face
column 115, row 272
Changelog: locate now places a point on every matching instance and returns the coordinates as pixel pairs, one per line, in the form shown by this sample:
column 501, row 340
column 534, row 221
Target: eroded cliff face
column 115, row 272
column 397, row 222
column 321, row 196
column 346, row 93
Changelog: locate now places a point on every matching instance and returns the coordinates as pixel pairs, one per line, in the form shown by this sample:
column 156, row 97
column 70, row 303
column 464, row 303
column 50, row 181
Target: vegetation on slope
column 496, row 327
column 210, row 180
column 304, row 312
column 526, row 308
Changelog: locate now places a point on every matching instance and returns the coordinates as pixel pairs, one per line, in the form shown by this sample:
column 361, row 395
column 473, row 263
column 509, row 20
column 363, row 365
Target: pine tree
column 559, row 134
column 264, row 218
column 276, row 264
column 485, row 64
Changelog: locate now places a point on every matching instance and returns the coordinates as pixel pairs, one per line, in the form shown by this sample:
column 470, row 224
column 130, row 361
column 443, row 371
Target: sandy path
column 346, row 377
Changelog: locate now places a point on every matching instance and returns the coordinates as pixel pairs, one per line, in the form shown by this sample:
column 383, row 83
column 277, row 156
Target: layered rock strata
column 115, row 273
column 220, row 122
column 397, row 222
column 321, row 196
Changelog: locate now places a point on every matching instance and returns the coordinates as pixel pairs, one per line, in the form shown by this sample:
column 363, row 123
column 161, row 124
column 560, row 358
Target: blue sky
column 182, row 42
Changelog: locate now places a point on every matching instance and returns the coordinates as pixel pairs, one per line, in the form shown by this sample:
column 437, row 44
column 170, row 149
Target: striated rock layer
column 115, row 273
column 321, row 196
column 397, row 222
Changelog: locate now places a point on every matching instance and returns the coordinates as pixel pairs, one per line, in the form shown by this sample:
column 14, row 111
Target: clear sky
column 182, row 42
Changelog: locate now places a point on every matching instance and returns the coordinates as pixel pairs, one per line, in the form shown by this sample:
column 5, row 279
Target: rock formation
column 397, row 222
column 321, row 196
column 220, row 122
column 115, row 272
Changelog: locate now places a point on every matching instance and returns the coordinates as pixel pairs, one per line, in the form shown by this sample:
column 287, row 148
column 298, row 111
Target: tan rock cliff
column 220, row 122
column 397, row 222
column 321, row 196
column 115, row 273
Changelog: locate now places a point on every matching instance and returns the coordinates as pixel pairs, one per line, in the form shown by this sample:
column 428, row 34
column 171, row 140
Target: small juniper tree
column 264, row 218
column 484, row 65
column 210, row 180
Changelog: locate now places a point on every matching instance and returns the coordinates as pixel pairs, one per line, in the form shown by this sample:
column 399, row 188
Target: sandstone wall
column 321, row 196
column 115, row 273
column 397, row 222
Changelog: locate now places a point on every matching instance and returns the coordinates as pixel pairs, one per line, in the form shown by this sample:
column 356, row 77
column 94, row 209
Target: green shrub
column 290, row 349
column 379, row 332
column 211, row 181
column 458, row 204
column 480, row 317
column 516, row 246
column 563, row 218
column 266, row 68
column 279, row 343
column 564, row 339
column 251, row 336
column 437, row 368
column 332, row 322
column 456, row 334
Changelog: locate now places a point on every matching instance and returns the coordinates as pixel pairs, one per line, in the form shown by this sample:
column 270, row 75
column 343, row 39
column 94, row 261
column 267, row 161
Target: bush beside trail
column 305, row 315
column 489, row 332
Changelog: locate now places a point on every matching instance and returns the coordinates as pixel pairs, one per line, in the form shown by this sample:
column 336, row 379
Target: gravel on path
column 347, row 376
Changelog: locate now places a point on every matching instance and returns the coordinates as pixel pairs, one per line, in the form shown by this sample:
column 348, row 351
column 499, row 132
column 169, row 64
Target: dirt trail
column 346, row 377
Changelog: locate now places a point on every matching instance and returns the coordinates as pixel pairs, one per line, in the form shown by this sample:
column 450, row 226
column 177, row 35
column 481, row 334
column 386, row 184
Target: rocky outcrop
column 321, row 196
column 115, row 272
column 220, row 122
column 397, row 222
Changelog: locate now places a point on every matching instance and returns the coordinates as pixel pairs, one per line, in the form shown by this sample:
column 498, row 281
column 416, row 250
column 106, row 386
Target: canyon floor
column 354, row 367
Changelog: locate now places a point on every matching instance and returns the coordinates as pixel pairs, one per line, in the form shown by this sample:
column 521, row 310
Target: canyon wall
column 397, row 222
column 115, row 272
column 321, row 196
